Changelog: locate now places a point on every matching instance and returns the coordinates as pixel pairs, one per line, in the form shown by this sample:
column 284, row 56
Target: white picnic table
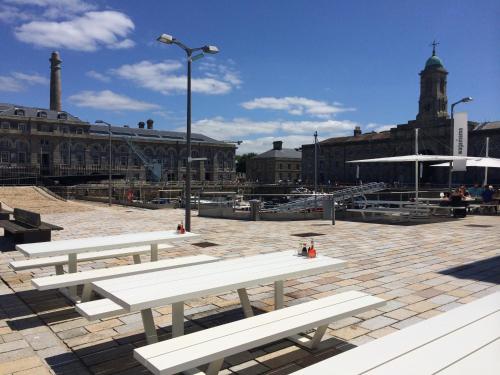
column 465, row 340
column 146, row 291
column 76, row 246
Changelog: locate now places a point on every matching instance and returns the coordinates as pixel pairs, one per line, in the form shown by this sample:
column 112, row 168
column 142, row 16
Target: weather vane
column 434, row 44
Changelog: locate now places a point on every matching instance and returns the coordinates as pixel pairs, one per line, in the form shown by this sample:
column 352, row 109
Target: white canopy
column 477, row 162
column 412, row 158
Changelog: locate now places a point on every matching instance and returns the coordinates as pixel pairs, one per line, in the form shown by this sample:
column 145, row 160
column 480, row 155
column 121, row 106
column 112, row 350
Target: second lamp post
column 168, row 39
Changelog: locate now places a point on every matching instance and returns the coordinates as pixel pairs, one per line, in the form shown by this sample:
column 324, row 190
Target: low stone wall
column 131, row 204
column 291, row 215
column 223, row 213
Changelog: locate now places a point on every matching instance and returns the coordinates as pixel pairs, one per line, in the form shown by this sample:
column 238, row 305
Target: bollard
column 254, row 209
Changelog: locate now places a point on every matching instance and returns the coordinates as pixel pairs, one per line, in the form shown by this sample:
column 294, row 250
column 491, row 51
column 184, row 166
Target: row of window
column 40, row 114
column 7, row 157
column 289, row 166
column 22, row 127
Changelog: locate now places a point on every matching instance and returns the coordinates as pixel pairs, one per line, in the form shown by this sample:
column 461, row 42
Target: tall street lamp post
column 109, row 158
column 463, row 100
column 169, row 39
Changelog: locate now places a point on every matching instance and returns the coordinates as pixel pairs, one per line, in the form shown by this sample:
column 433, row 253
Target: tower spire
column 434, row 44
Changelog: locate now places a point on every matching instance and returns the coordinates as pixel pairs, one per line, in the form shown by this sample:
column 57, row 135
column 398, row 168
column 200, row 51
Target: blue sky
column 285, row 68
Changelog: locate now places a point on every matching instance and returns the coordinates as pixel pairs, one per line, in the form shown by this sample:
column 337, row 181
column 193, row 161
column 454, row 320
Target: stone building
column 434, row 124
column 275, row 166
column 37, row 142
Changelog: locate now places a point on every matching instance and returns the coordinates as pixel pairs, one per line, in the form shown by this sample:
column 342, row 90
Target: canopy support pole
column 416, row 167
column 486, row 168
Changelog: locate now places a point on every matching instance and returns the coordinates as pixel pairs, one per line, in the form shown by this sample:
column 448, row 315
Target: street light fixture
column 463, row 100
column 169, row 39
column 109, row 159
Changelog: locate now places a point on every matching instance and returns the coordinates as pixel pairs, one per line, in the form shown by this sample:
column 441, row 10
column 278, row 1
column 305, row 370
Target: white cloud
column 33, row 79
column 257, row 136
column 109, row 100
column 163, row 77
column 297, row 106
column 55, row 8
column 16, row 81
column 98, row 76
column 87, row 32
column 16, row 11
column 378, row 127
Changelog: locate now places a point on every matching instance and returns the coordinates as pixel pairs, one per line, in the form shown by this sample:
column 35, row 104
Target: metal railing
column 339, row 196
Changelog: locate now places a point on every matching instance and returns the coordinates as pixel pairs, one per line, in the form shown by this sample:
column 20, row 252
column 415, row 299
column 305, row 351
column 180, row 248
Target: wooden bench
column 86, row 277
column 465, row 340
column 27, row 227
column 4, row 214
column 214, row 344
column 59, row 261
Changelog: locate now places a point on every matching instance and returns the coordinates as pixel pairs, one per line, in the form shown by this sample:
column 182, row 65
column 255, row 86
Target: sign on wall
column 460, row 140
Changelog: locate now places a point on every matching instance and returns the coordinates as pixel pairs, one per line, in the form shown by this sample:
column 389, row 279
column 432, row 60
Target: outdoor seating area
column 27, row 227
column 153, row 301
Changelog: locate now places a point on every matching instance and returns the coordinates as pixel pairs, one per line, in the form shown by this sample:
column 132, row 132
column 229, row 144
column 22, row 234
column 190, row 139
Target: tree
column 241, row 160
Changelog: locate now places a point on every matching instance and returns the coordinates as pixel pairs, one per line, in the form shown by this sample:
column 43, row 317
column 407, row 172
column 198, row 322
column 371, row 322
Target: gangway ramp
column 339, row 196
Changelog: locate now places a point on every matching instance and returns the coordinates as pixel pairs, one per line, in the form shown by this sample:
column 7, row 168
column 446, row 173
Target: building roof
column 373, row 136
column 284, row 153
column 151, row 134
column 488, row 125
column 434, row 61
column 7, row 109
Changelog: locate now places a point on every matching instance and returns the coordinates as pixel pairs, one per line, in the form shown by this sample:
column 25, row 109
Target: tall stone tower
column 55, row 82
column 433, row 102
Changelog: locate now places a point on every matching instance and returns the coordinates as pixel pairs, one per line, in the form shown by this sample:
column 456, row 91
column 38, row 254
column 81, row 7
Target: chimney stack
column 55, row 82
column 277, row 145
column 357, row 131
column 140, row 124
column 150, row 122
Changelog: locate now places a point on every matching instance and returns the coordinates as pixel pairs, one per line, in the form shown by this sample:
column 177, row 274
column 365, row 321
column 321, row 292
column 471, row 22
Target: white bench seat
column 465, row 340
column 86, row 277
column 61, row 260
column 99, row 309
column 214, row 344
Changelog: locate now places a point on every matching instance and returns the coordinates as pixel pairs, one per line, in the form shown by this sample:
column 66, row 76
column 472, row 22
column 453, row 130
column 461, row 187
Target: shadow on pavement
column 487, row 270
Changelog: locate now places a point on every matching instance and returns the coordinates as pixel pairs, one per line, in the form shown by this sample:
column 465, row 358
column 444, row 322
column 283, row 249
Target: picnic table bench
column 214, row 344
column 154, row 289
column 27, row 227
column 75, row 247
column 86, row 277
column 465, row 340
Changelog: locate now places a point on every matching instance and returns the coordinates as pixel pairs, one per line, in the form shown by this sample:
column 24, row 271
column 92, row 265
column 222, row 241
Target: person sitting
column 476, row 191
column 445, row 199
column 487, row 196
column 456, row 200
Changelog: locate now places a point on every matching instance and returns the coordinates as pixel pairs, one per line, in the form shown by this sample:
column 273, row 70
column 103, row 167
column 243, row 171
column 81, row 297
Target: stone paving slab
column 422, row 270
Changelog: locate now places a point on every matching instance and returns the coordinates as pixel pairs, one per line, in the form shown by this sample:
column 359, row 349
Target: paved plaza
column 421, row 270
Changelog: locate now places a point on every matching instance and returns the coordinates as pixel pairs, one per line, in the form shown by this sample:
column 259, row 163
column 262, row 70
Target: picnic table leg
column 177, row 319
column 214, row 367
column 149, row 326
column 278, row 294
column 154, row 252
column 245, row 302
column 72, row 269
column 308, row 341
column 87, row 293
column 137, row 258
column 59, row 269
